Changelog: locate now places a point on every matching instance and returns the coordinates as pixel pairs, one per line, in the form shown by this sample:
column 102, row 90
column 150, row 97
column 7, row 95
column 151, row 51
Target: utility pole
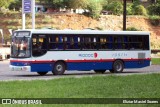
column 23, row 15
column 124, row 15
column 33, row 14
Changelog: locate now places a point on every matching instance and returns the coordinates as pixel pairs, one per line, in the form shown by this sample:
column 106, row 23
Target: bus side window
column 71, row 43
column 76, row 42
column 52, row 42
column 93, row 43
column 88, row 42
column 102, row 43
column 39, row 45
column 65, row 46
column 126, row 43
column 56, row 42
column 120, row 42
column 68, row 42
column 115, row 43
column 146, row 42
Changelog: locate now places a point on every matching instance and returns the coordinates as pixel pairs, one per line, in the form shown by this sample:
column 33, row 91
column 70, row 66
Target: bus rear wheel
column 118, row 67
column 100, row 71
column 42, row 73
column 59, row 68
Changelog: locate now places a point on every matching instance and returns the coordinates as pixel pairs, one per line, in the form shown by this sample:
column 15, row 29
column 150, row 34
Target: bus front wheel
column 118, row 67
column 99, row 71
column 42, row 73
column 59, row 68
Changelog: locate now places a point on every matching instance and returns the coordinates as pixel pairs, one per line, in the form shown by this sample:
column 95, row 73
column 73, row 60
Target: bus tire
column 59, row 68
column 99, row 71
column 42, row 73
column 118, row 66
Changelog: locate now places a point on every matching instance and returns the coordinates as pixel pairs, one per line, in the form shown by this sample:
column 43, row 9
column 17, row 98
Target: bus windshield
column 20, row 47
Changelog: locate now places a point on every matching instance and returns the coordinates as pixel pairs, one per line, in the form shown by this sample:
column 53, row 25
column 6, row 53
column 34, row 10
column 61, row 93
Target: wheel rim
column 118, row 66
column 59, row 68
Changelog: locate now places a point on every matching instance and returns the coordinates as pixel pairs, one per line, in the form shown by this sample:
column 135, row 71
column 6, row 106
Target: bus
column 57, row 51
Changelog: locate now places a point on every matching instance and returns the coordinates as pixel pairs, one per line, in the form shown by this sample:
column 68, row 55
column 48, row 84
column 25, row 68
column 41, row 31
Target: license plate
column 17, row 68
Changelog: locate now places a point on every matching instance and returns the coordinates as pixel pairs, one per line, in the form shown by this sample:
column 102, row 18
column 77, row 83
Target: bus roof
column 49, row 31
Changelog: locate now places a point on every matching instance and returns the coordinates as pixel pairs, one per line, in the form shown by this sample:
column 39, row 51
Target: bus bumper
column 19, row 68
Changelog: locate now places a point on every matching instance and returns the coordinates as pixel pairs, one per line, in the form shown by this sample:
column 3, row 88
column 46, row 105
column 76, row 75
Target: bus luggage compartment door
column 141, row 58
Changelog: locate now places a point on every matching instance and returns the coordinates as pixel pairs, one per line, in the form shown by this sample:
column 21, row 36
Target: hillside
column 75, row 21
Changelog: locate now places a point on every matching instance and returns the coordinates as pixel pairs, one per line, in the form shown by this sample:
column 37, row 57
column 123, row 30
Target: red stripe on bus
column 34, row 61
column 83, row 60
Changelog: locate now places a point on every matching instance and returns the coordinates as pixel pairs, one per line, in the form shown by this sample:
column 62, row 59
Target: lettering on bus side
column 85, row 55
column 95, row 55
column 119, row 55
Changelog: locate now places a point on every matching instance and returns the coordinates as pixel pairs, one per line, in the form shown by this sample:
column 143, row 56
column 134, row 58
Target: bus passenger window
column 73, row 42
column 60, row 43
column 39, row 46
column 103, row 43
column 65, row 46
column 87, row 43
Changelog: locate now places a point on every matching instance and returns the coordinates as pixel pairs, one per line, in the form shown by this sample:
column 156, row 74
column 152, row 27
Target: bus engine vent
column 141, row 55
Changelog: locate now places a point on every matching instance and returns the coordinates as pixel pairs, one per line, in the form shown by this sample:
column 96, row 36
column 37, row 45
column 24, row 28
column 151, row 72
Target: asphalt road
column 7, row 75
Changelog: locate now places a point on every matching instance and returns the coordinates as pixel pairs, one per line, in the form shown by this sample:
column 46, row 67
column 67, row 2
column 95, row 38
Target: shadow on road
column 78, row 73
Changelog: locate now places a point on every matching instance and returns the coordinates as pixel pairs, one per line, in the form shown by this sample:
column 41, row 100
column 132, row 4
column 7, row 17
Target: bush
column 132, row 29
column 140, row 10
column 136, row 9
column 155, row 20
column 99, row 28
column 116, row 7
column 17, row 4
column 154, row 9
column 5, row 3
column 95, row 9
column 130, row 9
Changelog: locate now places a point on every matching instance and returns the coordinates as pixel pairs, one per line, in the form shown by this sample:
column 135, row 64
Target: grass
column 133, row 86
column 147, row 86
column 83, row 105
column 156, row 61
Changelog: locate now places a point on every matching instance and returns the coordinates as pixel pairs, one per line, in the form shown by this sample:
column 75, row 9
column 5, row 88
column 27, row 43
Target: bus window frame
column 98, row 36
column 37, row 43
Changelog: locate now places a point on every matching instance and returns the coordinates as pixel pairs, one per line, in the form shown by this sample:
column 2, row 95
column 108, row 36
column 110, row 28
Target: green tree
column 129, row 9
column 95, row 8
column 136, row 9
column 5, row 3
column 55, row 3
column 17, row 4
column 136, row 3
column 140, row 10
column 116, row 7
column 77, row 4
column 154, row 9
